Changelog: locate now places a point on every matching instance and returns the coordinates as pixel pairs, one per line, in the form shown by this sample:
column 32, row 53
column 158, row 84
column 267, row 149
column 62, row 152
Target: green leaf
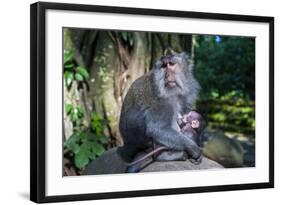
column 74, row 138
column 68, row 55
column 68, row 77
column 80, row 112
column 68, row 65
column 80, row 115
column 92, row 156
column 79, row 77
column 103, row 140
column 85, row 136
column 214, row 94
column 73, row 147
column 68, row 108
column 97, row 149
column 83, row 72
column 96, row 126
column 71, row 142
column 98, row 130
column 81, row 159
column 95, row 116
column 74, row 115
column 124, row 35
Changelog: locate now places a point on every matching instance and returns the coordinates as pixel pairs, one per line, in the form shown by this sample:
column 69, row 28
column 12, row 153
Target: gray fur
column 150, row 109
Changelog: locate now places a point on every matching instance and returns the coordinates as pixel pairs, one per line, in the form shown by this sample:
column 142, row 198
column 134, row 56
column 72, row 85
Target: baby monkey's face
column 191, row 119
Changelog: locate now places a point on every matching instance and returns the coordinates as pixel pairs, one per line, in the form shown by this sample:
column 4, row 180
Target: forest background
column 100, row 66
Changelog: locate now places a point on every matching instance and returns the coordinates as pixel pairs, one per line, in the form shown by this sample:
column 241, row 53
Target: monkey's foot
column 196, row 161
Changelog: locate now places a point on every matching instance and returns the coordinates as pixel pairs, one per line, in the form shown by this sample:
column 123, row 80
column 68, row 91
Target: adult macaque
column 191, row 125
column 152, row 105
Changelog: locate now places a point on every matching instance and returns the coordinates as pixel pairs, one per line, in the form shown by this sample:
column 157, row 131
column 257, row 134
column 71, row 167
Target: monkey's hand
column 196, row 161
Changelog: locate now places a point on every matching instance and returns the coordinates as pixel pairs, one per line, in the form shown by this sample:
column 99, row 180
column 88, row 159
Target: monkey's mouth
column 171, row 83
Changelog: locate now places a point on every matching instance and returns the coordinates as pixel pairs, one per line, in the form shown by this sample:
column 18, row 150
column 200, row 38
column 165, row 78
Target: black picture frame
column 38, row 100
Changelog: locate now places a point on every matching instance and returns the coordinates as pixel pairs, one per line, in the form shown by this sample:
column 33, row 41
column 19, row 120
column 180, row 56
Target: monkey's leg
column 173, row 140
column 133, row 133
column 169, row 155
column 172, row 156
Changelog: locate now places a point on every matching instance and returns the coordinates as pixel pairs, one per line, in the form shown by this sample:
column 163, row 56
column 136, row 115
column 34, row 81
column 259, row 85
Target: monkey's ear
column 184, row 55
column 185, row 58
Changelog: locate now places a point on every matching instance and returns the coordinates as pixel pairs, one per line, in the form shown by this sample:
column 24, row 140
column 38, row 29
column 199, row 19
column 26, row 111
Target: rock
column 181, row 165
column 230, row 152
column 111, row 163
column 108, row 163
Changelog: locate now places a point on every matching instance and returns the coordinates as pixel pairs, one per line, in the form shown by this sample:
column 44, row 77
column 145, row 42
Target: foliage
column 72, row 71
column 230, row 114
column 225, row 68
column 127, row 38
column 76, row 115
column 225, row 65
column 87, row 142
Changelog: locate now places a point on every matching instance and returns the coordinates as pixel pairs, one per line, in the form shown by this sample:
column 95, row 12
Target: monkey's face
column 195, row 120
column 172, row 75
column 169, row 68
column 173, row 70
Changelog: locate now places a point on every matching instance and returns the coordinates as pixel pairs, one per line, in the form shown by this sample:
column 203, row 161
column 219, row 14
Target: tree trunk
column 113, row 66
column 102, row 83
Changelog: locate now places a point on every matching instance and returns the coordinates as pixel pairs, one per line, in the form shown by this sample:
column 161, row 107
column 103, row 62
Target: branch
column 161, row 41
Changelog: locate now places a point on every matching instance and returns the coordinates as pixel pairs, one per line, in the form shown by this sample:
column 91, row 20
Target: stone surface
column 111, row 163
column 181, row 165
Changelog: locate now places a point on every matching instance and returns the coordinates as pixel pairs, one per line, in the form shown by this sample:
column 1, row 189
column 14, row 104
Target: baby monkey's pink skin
column 189, row 121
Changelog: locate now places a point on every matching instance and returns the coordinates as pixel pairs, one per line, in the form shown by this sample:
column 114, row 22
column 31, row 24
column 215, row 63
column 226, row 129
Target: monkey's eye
column 172, row 63
column 164, row 65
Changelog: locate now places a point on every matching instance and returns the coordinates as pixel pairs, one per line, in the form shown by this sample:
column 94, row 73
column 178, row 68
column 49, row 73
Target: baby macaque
column 191, row 125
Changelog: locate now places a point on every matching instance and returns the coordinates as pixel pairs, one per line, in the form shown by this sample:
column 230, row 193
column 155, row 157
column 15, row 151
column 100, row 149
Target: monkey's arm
column 171, row 138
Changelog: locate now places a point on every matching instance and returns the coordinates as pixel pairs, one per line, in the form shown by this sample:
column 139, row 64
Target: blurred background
column 100, row 66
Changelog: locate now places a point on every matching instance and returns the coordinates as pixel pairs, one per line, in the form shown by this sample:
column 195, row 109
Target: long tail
column 148, row 155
